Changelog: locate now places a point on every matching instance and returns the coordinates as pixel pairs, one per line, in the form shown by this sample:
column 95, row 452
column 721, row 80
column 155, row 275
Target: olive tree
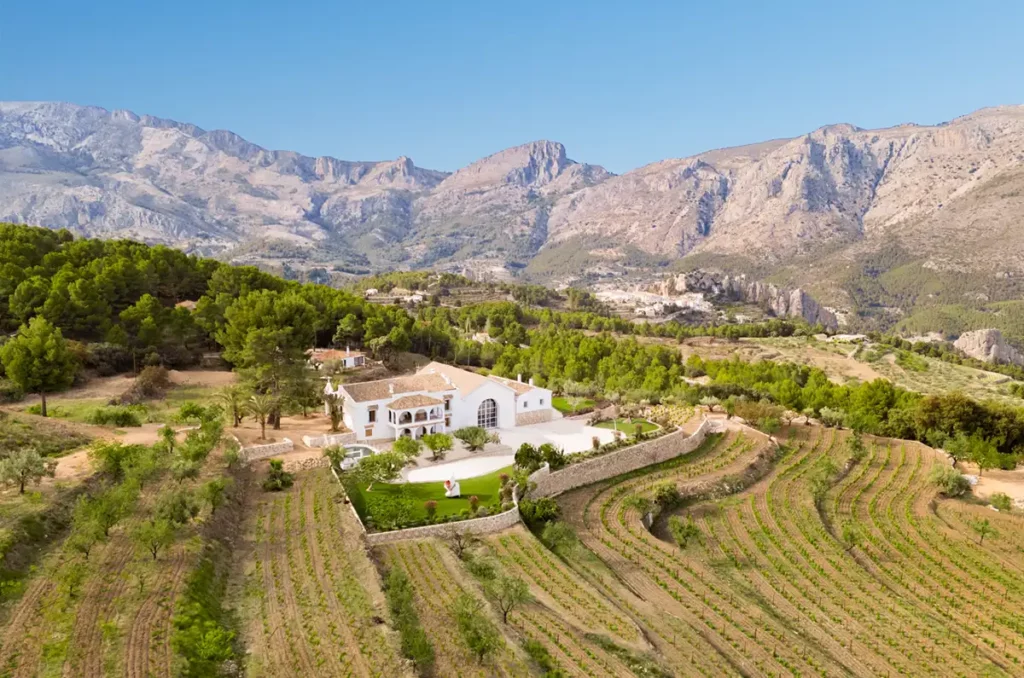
column 25, row 466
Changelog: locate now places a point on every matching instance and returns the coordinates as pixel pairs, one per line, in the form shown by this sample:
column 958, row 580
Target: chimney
column 531, row 381
column 348, row 351
column 391, row 388
column 519, row 377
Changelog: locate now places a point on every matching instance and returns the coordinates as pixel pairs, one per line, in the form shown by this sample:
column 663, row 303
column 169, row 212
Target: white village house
column 440, row 398
column 348, row 358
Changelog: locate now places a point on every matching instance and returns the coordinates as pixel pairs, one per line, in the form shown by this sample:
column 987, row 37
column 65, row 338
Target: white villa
column 440, row 398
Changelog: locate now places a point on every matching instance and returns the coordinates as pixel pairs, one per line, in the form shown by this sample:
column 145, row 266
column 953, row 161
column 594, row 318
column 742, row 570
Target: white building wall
column 466, row 407
column 537, row 399
column 357, row 418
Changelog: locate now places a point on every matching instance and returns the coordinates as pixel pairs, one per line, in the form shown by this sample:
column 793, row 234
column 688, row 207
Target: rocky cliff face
column 990, row 346
column 951, row 195
column 782, row 303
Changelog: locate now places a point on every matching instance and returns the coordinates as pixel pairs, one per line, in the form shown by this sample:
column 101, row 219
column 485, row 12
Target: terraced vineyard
column 564, row 613
column 314, row 606
column 774, row 588
column 426, row 564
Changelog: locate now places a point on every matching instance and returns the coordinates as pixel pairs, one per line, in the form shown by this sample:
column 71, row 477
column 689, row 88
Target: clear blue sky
column 619, row 83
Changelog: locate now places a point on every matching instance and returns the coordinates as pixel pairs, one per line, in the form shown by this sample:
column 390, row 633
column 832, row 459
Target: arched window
column 487, row 414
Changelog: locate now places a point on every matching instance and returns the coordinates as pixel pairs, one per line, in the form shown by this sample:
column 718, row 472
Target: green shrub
column 560, row 538
column 9, row 392
column 537, row 512
column 474, row 437
column 117, row 415
column 438, row 444
column 528, row 458
column 540, row 655
column 554, row 456
column 478, row 632
column 911, row 361
column 682, row 531
column 389, row 511
column 667, row 496
column 277, row 479
column 415, row 643
column 407, row 447
column 950, row 482
column 202, row 636
column 1001, row 501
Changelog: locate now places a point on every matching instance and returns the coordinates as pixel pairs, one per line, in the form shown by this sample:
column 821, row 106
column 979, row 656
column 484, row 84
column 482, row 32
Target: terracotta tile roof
column 327, row 354
column 385, row 388
column 519, row 387
column 464, row 380
column 407, row 402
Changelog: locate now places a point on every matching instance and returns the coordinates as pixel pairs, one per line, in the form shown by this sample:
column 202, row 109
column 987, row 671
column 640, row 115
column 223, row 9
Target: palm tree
column 260, row 406
column 335, row 405
column 233, row 398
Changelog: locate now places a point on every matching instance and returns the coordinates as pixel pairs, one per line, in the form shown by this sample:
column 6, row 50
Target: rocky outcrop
column 783, row 303
column 990, row 346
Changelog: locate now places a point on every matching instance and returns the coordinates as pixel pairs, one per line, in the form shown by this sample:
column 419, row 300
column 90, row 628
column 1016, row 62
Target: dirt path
column 1010, row 483
column 77, row 465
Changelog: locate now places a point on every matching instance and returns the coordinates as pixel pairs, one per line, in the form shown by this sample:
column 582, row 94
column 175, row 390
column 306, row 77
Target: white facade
column 440, row 398
column 348, row 359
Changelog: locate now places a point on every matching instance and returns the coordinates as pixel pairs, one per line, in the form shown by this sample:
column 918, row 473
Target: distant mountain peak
column 945, row 191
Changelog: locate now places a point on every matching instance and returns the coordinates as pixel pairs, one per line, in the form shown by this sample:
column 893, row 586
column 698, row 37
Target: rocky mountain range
column 815, row 211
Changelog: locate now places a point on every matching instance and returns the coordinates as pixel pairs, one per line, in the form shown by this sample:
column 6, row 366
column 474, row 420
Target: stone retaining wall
column 535, row 417
column 663, row 448
column 256, row 452
column 330, row 439
column 486, row 525
column 306, row 464
column 550, row 484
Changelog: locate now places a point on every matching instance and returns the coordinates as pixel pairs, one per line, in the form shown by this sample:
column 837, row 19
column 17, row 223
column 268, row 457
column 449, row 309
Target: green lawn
column 629, row 426
column 485, row 488
column 561, row 404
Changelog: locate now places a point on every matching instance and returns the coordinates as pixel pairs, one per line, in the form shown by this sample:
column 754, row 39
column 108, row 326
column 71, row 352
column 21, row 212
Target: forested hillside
column 118, row 302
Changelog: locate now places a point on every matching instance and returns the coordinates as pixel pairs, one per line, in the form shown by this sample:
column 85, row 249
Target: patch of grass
column 157, row 411
column 72, row 410
column 629, row 426
column 485, row 488
column 50, row 438
column 561, row 403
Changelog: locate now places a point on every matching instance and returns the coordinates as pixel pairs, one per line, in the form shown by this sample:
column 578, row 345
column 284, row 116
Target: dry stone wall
column 256, row 452
column 306, row 464
column 487, row 525
column 668, row 446
column 535, row 417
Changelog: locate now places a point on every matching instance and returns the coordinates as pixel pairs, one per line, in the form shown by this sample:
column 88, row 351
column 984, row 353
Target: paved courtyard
column 460, row 470
column 572, row 435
